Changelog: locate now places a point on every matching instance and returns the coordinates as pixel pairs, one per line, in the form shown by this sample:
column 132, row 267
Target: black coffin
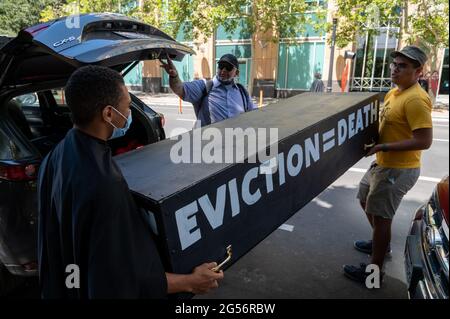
column 198, row 209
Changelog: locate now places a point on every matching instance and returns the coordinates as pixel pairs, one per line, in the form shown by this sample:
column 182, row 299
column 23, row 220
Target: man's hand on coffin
column 421, row 140
column 203, row 278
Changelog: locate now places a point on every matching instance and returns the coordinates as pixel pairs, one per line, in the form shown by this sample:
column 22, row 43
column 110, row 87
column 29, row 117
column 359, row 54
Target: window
column 134, row 77
column 237, row 43
column 313, row 4
column 12, row 146
column 185, row 67
column 309, row 30
column 238, row 34
column 243, row 53
column 371, row 68
column 30, row 99
column 182, row 35
column 297, row 64
column 185, row 70
column 60, row 98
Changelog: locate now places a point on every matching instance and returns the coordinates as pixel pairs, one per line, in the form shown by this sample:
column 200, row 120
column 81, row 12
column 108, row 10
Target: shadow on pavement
column 307, row 262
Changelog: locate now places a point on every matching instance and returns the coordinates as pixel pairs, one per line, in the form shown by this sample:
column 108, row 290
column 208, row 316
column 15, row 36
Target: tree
column 284, row 18
column 18, row 14
column 60, row 8
column 421, row 22
column 428, row 27
column 262, row 20
column 153, row 12
column 356, row 17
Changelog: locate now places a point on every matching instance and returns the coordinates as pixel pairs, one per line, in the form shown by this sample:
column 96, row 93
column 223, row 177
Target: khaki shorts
column 382, row 189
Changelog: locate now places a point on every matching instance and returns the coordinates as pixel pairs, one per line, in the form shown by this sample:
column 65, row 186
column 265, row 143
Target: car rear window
column 60, row 97
column 13, row 146
column 30, row 99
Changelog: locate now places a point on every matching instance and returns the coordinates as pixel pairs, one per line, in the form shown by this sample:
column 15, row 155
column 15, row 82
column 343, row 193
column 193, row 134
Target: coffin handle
column 218, row 267
column 369, row 146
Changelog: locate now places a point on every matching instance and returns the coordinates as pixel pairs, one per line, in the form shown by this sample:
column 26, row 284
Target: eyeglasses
column 225, row 66
column 399, row 66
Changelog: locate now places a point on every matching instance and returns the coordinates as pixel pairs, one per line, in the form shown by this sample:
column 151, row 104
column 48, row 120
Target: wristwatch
column 384, row 147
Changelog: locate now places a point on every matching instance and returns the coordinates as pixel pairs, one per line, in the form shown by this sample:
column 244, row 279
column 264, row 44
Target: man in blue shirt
column 215, row 100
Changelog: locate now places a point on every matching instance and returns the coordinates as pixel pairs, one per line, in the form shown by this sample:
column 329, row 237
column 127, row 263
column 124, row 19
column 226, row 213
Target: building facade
column 287, row 67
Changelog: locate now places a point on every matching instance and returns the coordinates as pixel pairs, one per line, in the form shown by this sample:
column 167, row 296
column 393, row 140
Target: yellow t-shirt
column 402, row 113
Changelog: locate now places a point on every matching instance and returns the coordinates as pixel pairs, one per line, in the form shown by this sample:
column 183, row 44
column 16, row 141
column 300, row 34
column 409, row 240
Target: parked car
column 426, row 251
column 34, row 68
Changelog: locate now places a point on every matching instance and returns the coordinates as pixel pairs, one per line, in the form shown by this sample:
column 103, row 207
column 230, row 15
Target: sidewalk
column 173, row 100
column 440, row 109
column 442, row 102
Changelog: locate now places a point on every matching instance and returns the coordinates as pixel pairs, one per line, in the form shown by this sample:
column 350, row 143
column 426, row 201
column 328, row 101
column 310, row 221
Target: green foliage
column 61, row 8
column 204, row 15
column 18, row 14
column 356, row 17
column 283, row 18
column 152, row 12
column 428, row 24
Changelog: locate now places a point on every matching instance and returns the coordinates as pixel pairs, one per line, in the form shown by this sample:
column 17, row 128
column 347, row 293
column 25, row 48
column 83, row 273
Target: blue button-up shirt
column 225, row 101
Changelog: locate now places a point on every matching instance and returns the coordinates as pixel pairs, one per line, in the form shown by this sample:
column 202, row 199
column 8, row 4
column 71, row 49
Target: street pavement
column 178, row 119
column 304, row 258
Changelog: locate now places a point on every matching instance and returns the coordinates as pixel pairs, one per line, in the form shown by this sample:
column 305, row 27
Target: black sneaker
column 359, row 274
column 365, row 246
column 355, row 273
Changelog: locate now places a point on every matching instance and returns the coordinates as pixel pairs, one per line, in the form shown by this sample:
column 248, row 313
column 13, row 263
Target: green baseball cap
column 412, row 52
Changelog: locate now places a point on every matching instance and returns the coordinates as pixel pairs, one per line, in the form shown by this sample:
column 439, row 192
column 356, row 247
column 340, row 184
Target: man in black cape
column 89, row 225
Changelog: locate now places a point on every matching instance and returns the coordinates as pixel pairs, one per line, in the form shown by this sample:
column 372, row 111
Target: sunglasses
column 399, row 66
column 225, row 66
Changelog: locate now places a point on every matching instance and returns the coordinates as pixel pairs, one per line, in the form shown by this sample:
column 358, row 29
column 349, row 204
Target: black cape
column 88, row 217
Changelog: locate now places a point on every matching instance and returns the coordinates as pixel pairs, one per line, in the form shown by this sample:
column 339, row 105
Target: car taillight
column 37, row 28
column 163, row 119
column 31, row 266
column 419, row 214
column 26, row 172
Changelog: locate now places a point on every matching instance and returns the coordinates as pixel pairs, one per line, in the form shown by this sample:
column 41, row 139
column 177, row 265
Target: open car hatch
column 53, row 50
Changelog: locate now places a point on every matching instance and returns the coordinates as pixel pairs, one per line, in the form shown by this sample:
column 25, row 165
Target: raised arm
column 174, row 80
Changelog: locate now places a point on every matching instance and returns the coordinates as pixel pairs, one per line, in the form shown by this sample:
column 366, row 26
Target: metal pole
column 330, row 71
column 384, row 55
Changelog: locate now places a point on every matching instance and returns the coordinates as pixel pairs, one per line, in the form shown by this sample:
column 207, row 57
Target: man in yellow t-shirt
column 405, row 130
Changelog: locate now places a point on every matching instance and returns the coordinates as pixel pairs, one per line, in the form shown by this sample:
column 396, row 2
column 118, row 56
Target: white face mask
column 232, row 80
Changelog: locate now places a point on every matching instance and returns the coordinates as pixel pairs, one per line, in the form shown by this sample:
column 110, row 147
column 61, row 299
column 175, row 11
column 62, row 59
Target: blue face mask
column 118, row 132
